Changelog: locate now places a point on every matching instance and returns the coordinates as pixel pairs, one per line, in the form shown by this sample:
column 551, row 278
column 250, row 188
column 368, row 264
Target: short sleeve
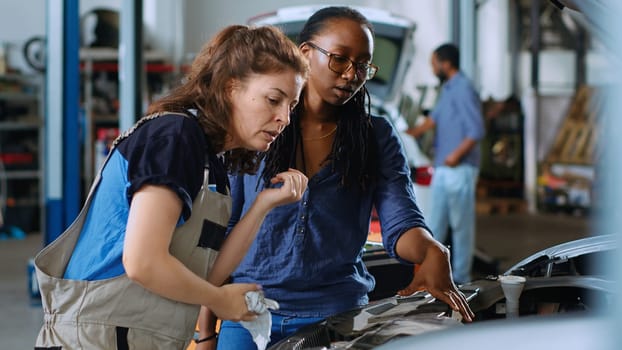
column 169, row 151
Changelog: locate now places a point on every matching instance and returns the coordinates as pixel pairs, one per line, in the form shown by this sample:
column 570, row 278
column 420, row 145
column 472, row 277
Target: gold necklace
column 321, row 137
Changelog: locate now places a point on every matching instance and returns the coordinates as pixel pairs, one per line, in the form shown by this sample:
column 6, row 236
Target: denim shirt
column 458, row 115
column 308, row 254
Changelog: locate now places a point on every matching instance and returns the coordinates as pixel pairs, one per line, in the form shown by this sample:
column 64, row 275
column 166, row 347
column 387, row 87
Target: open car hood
column 559, row 279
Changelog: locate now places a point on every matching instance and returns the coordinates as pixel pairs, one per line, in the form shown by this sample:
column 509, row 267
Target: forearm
column 146, row 256
column 153, row 215
column 207, row 323
column 168, row 277
column 237, row 243
column 465, row 147
column 415, row 131
column 415, row 244
column 231, row 253
column 420, row 129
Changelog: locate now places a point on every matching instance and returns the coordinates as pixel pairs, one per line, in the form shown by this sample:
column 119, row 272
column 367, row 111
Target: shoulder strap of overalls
column 49, row 262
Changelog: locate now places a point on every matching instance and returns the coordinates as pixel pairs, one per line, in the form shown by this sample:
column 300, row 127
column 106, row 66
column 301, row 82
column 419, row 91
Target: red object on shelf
column 423, row 175
column 375, row 232
column 16, row 158
column 114, row 67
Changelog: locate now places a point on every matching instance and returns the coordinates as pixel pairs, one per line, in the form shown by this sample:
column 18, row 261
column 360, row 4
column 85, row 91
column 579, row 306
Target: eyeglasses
column 341, row 64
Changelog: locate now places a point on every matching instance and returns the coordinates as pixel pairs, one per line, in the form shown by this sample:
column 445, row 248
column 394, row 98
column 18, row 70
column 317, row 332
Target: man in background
column 457, row 120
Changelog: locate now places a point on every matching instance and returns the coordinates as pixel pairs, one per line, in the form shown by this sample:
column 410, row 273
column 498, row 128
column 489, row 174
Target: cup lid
column 511, row 279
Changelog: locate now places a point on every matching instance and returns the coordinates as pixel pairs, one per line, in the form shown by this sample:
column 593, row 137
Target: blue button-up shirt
column 458, row 115
column 308, row 255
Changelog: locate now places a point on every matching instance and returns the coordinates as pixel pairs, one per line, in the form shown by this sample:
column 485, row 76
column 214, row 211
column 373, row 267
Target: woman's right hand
column 230, row 304
column 294, row 185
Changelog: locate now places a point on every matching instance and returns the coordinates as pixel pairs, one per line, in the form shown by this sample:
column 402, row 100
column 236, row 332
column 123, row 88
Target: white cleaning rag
column 261, row 327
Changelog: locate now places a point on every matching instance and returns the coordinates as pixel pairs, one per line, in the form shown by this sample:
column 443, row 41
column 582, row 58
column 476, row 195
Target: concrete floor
column 20, row 317
column 507, row 238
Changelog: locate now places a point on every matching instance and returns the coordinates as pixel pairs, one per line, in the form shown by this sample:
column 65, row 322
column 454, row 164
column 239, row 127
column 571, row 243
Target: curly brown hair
column 235, row 53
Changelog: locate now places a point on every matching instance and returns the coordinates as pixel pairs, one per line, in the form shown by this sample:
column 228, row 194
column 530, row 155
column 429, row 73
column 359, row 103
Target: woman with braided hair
column 308, row 255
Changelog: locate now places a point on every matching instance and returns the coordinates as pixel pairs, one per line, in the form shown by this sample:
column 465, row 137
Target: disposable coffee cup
column 512, row 288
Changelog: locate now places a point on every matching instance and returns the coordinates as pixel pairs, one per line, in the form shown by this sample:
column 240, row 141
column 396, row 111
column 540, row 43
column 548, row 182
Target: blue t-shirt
column 308, row 255
column 458, row 115
column 169, row 150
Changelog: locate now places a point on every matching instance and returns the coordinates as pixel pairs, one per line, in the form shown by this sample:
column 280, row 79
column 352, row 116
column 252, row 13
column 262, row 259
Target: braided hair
column 354, row 151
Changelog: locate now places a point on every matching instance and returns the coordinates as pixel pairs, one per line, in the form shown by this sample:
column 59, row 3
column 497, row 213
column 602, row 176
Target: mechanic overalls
column 117, row 313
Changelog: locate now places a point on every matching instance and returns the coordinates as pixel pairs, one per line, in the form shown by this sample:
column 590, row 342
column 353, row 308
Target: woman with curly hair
column 134, row 268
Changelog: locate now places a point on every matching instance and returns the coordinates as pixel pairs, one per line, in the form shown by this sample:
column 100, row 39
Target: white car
column 394, row 50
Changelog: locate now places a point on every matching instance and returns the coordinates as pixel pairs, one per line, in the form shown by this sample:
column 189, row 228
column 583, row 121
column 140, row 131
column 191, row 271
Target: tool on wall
column 34, row 53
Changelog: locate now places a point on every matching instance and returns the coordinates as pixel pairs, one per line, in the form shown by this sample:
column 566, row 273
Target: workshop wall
column 20, row 21
column 178, row 28
column 204, row 18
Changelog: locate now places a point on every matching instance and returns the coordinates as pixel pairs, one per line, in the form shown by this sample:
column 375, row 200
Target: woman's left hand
column 434, row 275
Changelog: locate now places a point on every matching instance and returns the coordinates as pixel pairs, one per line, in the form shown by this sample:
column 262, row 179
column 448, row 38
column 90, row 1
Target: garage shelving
column 21, row 150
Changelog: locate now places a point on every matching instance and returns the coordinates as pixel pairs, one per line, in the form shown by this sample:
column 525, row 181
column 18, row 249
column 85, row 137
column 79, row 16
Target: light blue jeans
column 453, row 205
column 235, row 337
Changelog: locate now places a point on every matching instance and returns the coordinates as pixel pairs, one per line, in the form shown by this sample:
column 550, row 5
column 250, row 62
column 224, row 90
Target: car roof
column 302, row 13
